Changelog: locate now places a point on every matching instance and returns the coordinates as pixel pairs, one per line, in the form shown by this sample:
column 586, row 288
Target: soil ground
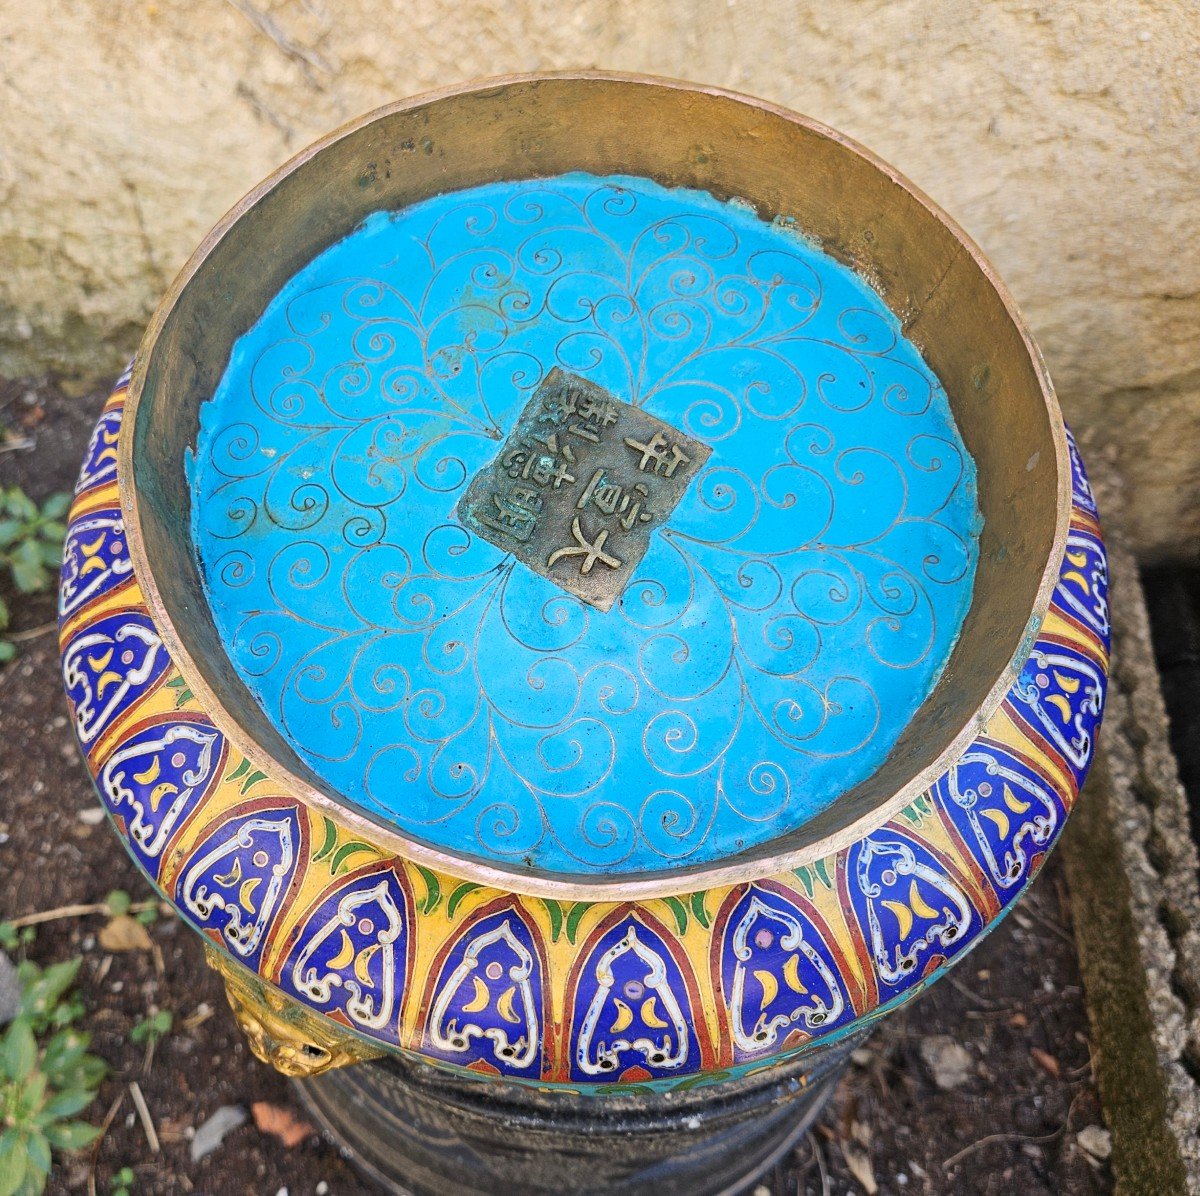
column 1016, row 1005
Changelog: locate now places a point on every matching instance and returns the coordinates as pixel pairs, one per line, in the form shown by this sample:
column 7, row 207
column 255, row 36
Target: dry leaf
column 1046, row 1062
column 1018, row 1021
column 860, row 1167
column 124, row 933
column 283, row 1123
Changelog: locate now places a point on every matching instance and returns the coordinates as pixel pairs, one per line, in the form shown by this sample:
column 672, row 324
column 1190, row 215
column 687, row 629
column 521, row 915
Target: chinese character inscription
column 581, row 482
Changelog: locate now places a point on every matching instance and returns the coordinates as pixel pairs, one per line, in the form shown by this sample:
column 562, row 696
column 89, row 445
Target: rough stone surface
column 1063, row 134
column 10, row 990
column 212, row 1132
column 948, row 1063
column 1147, row 809
column 1096, row 1140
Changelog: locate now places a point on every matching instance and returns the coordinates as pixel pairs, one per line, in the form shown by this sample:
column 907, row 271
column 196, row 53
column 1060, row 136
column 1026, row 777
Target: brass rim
column 511, row 879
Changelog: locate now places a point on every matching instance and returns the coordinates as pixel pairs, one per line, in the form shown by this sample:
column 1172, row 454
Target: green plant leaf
column 56, row 506
column 29, row 579
column 118, row 902
column 21, row 505
column 8, row 651
column 14, row 1159
column 10, row 529
column 63, row 1051
column 68, row 1010
column 38, row 1150
column 33, row 1184
column 28, row 553
column 33, row 1094
column 87, row 1073
column 40, row 998
column 72, row 1135
column 67, row 1104
column 19, row 1052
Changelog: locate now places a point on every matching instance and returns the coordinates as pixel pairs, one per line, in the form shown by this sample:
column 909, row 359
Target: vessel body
column 611, row 971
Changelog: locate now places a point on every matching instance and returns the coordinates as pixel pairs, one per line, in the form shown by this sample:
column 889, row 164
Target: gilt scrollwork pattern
column 442, row 685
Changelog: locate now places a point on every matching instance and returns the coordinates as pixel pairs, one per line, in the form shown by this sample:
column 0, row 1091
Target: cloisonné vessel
column 585, row 601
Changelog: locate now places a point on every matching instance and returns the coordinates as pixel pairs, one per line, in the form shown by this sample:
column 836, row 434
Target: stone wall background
column 1064, row 136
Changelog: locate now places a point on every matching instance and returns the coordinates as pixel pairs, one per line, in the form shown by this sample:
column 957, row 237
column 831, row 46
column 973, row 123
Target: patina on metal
column 579, row 485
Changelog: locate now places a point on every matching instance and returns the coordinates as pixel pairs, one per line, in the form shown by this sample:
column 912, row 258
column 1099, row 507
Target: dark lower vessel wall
column 421, row 1130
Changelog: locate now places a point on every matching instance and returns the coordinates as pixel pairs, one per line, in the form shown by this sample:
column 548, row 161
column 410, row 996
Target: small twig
column 75, row 911
column 1050, row 925
column 23, row 637
column 1089, row 1066
column 95, row 1156
column 143, row 1112
column 802, row 1173
column 975, row 998
column 201, row 1014
column 962, row 1154
column 17, row 446
column 819, row 1155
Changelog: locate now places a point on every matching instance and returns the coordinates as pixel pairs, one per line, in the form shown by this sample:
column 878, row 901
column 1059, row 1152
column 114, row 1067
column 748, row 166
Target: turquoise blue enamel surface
column 669, row 990
column 793, row 611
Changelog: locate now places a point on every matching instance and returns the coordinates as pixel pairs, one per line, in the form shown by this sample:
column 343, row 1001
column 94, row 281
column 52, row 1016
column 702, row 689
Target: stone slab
column 1132, row 867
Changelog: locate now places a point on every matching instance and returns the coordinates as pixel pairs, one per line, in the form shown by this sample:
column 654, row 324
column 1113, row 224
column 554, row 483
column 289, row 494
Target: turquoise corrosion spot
column 792, row 610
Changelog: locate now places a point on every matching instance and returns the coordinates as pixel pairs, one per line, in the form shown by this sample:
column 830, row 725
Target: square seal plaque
column 579, row 485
